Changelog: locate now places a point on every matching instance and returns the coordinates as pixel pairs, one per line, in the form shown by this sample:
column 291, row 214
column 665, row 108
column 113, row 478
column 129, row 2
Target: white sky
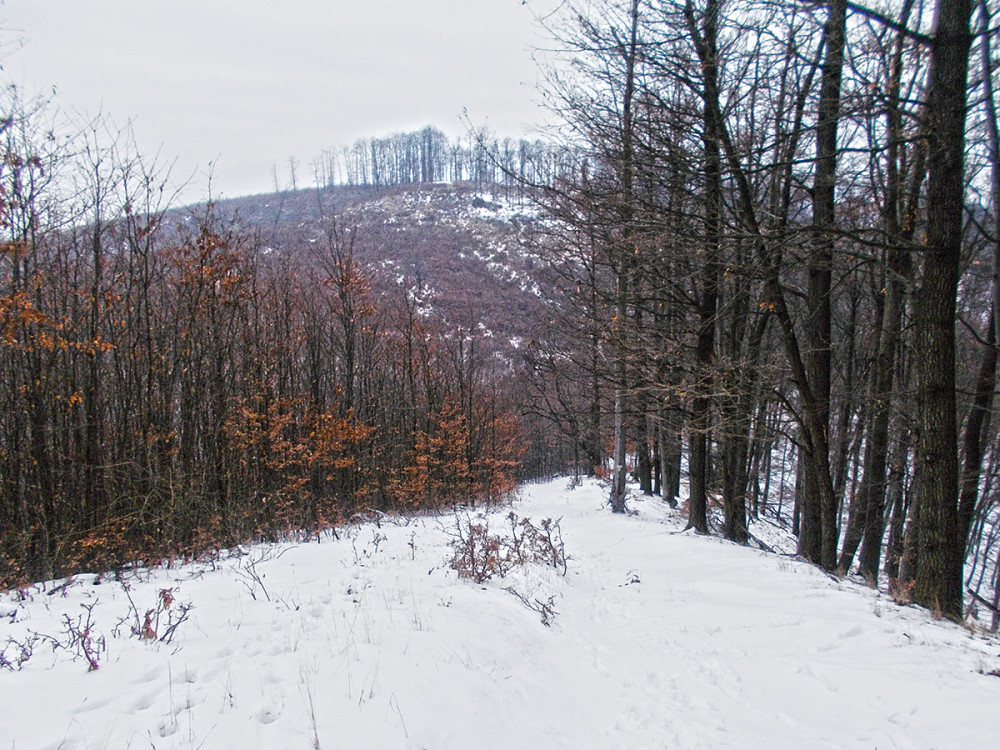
column 244, row 84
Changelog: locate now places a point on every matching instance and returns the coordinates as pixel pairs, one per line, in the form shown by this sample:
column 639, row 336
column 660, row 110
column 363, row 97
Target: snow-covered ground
column 661, row 640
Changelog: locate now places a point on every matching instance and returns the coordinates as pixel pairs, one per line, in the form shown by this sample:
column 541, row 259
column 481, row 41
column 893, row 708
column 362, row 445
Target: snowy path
column 663, row 640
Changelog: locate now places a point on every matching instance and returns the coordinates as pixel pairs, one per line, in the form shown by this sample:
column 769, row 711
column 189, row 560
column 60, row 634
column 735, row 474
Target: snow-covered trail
column 662, row 640
column 705, row 644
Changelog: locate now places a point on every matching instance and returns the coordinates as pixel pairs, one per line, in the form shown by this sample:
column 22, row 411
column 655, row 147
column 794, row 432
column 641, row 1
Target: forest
column 173, row 384
column 781, row 230
column 767, row 243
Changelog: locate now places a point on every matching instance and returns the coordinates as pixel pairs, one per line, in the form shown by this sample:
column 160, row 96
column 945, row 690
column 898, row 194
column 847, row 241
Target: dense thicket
column 172, row 385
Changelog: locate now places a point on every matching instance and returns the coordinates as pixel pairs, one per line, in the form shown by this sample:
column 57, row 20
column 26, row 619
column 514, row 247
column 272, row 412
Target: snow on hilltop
column 660, row 639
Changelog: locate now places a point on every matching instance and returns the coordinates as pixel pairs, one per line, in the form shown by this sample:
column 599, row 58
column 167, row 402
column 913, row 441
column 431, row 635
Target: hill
column 464, row 250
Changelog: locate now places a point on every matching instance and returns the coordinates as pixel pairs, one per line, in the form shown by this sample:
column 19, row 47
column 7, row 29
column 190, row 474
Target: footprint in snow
column 146, row 700
column 150, row 675
column 168, row 726
column 852, row 633
column 89, row 705
column 268, row 715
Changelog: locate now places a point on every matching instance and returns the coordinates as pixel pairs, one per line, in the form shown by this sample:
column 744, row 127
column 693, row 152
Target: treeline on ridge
column 428, row 155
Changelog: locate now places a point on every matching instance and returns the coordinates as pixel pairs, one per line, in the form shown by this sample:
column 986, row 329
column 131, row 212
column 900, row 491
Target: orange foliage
column 109, row 547
column 443, row 466
column 331, row 439
column 24, row 326
column 285, row 449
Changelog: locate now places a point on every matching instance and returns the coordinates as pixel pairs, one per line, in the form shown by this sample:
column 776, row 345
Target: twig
column 985, row 602
column 395, row 704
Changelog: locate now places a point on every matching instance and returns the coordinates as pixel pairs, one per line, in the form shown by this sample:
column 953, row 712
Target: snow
column 501, row 207
column 662, row 639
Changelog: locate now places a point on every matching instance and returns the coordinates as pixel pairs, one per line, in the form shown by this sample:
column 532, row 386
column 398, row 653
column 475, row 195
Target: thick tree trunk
column 938, row 583
column 734, row 483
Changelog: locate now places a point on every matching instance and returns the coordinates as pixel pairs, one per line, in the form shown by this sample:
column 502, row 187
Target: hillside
column 464, row 251
column 656, row 638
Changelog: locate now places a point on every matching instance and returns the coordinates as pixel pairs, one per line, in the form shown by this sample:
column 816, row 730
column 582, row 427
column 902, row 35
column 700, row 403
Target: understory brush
column 482, row 554
column 81, row 638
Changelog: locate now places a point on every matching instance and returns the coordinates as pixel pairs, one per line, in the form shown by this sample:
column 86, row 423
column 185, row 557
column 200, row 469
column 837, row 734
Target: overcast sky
column 244, row 84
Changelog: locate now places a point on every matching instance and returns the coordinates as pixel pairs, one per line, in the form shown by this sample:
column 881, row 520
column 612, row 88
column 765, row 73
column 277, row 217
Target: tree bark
column 938, row 582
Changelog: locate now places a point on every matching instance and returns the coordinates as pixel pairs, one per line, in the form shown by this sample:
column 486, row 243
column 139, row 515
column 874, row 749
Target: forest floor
column 653, row 638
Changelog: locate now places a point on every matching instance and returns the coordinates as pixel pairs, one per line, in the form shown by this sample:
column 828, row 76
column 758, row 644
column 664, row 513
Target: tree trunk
column 867, row 520
column 670, row 455
column 644, row 465
column 625, row 261
column 973, row 439
column 709, row 282
column 820, row 315
column 900, row 220
column 617, row 499
column 595, row 457
column 938, row 583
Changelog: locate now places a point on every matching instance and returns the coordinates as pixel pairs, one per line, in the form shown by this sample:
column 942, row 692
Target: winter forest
column 764, row 242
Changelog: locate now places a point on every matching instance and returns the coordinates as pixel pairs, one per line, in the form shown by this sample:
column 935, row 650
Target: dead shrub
column 160, row 622
column 481, row 554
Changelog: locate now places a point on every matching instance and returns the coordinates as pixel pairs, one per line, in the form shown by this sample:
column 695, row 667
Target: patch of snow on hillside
column 500, row 207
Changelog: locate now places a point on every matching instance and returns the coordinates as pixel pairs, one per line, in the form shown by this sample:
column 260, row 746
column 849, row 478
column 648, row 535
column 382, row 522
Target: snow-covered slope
column 661, row 640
